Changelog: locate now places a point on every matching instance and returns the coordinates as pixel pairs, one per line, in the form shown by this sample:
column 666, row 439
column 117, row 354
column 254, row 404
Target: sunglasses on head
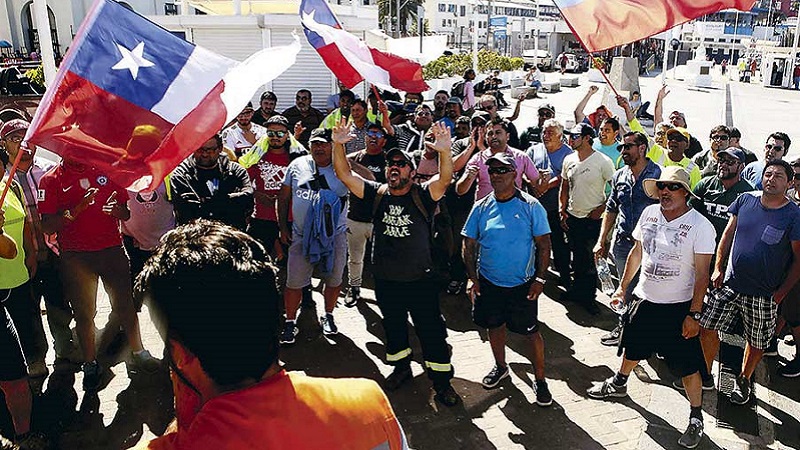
column 499, row 170
column 375, row 134
column 397, row 163
column 661, row 185
column 278, row 134
column 720, row 137
column 777, row 148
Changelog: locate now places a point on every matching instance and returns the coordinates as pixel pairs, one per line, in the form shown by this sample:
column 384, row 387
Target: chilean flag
column 134, row 100
column 350, row 59
column 603, row 24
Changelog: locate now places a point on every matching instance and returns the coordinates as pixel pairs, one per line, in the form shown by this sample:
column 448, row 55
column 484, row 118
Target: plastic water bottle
column 604, row 274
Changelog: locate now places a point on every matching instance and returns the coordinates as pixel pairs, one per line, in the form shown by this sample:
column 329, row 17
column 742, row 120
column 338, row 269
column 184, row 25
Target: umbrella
column 5, row 44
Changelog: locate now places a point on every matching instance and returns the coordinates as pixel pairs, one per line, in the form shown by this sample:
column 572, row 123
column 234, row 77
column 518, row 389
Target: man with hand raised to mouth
column 402, row 259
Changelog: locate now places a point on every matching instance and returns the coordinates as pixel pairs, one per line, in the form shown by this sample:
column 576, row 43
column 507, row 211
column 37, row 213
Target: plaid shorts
column 759, row 314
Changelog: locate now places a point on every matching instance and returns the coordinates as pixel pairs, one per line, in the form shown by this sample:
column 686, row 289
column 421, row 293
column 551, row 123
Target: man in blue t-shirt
column 505, row 229
column 761, row 248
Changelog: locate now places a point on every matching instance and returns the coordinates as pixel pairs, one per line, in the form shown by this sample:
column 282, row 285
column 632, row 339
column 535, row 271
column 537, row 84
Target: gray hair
column 553, row 123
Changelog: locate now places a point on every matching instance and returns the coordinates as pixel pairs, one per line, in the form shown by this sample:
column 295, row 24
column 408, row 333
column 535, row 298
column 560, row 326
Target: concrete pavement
column 130, row 410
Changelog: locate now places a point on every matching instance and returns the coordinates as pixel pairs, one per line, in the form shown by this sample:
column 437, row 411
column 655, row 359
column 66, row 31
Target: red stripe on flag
column 189, row 134
column 337, row 63
column 603, row 24
column 99, row 128
column 404, row 74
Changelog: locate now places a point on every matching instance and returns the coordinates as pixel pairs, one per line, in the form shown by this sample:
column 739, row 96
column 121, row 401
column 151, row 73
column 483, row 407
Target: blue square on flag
column 129, row 57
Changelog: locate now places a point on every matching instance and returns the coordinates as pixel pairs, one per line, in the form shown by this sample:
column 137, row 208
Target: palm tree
column 387, row 13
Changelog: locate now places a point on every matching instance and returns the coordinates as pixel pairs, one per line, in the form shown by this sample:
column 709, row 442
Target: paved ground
column 129, row 410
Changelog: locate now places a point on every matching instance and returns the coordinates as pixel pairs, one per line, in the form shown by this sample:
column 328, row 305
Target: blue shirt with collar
column 628, row 198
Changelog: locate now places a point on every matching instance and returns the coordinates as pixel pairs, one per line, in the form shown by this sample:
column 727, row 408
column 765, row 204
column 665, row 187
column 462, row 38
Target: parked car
column 544, row 60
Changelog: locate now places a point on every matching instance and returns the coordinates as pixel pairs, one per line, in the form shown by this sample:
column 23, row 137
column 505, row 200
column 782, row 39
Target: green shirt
column 13, row 272
column 715, row 199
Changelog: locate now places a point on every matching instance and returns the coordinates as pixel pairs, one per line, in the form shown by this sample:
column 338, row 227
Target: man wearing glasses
column 209, row 186
column 303, row 113
column 239, row 137
column 533, row 135
column 410, row 136
column 509, row 230
column 402, row 257
column 707, row 159
column 776, row 148
column 673, row 246
column 266, row 165
column 488, row 104
column 678, row 140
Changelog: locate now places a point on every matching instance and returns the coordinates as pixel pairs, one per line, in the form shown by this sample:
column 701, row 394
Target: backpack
column 458, row 89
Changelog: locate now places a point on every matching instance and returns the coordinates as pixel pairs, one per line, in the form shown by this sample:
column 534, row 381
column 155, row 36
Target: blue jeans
column 536, row 83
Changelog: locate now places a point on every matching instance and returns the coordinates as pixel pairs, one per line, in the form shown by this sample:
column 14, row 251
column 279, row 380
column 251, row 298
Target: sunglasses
column 397, row 163
column 487, row 107
column 728, row 162
column 797, row 176
column 720, row 137
column 676, row 138
column 629, row 145
column 499, row 170
column 375, row 134
column 574, row 136
column 546, row 114
column 777, row 148
column 277, row 134
column 423, row 113
column 661, row 185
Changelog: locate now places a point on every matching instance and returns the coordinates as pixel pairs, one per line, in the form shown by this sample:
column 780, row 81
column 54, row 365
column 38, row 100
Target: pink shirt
column 524, row 166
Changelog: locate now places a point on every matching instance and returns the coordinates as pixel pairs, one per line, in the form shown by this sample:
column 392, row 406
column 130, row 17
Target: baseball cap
column 320, row 135
column 248, row 107
column 396, row 151
column 12, row 126
column 547, row 107
column 669, row 174
column 683, row 131
column 582, row 129
column 278, row 120
column 454, row 101
column 735, row 152
column 503, row 158
column 483, row 115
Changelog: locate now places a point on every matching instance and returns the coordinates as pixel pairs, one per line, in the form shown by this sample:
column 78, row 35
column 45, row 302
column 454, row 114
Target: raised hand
column 442, row 142
column 341, row 132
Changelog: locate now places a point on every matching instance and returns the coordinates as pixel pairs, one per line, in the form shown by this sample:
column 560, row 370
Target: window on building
column 463, row 11
column 451, row 8
column 444, row 23
column 442, row 7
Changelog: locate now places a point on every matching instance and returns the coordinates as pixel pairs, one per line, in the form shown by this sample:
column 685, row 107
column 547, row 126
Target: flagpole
column 11, row 173
column 45, row 40
column 475, row 37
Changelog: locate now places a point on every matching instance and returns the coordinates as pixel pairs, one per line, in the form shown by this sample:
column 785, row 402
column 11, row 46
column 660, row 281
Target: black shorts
column 264, row 231
column 12, row 362
column 789, row 308
column 497, row 306
column 658, row 328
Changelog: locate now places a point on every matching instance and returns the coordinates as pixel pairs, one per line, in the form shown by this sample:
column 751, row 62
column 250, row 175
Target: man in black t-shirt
column 402, row 258
column 370, row 164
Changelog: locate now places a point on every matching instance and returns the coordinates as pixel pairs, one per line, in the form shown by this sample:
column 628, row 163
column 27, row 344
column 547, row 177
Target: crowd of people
column 448, row 196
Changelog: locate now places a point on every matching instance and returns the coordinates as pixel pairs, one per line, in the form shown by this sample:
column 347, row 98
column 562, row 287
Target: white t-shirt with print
column 587, row 181
column 233, row 137
column 668, row 251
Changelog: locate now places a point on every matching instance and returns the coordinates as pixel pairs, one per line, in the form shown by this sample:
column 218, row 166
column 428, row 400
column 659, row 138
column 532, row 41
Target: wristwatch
column 696, row 315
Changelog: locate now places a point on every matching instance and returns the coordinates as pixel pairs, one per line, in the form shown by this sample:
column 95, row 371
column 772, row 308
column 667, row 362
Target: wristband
column 540, row 280
column 68, row 215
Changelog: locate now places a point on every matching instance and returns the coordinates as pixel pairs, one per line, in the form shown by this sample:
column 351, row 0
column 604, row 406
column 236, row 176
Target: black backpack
column 458, row 89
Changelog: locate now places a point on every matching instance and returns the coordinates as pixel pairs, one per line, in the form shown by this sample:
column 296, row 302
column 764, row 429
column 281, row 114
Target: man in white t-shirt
column 582, row 200
column 239, row 137
column 673, row 245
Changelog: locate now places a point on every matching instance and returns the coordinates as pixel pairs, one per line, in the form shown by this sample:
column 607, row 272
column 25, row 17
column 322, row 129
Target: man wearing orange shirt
column 230, row 391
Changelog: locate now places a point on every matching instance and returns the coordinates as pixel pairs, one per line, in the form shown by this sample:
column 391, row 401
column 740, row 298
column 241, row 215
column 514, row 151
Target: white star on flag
column 132, row 59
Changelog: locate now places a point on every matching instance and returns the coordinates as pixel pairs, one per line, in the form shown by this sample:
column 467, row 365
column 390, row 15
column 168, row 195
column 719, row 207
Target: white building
column 18, row 26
